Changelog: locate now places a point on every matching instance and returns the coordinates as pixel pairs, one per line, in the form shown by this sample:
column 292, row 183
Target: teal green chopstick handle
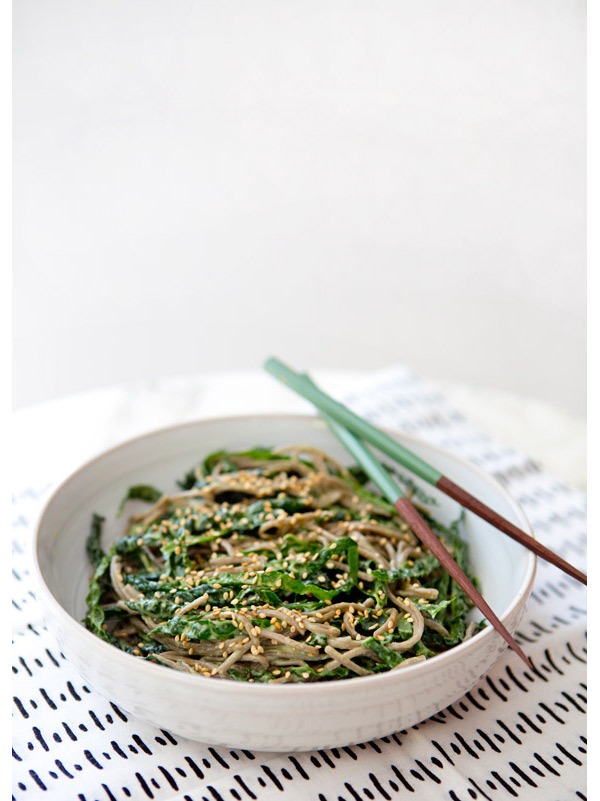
column 341, row 414
column 303, row 384
column 376, row 471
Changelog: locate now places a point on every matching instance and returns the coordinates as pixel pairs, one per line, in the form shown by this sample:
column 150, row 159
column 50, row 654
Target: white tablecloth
column 518, row 734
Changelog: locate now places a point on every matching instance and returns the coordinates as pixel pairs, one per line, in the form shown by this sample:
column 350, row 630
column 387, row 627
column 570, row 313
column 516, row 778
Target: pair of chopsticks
column 351, row 429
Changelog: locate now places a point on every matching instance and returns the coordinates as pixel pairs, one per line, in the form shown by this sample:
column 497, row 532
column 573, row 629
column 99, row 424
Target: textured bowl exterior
column 256, row 716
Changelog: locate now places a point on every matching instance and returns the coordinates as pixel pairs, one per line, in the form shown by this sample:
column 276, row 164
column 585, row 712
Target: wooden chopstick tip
column 426, row 535
column 521, row 653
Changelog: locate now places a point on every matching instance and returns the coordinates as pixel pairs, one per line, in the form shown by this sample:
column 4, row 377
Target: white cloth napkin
column 518, row 734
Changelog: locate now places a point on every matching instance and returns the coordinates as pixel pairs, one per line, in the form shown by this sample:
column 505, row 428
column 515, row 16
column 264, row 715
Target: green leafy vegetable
column 267, row 566
column 140, row 492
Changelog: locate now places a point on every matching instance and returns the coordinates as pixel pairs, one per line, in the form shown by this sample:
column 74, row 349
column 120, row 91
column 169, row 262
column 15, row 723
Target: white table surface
column 51, row 439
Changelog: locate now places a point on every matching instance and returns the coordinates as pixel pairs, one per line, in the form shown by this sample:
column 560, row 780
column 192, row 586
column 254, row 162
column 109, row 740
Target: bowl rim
column 68, row 624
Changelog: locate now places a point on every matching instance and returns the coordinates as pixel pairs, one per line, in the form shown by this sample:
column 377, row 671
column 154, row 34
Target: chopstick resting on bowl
column 389, row 487
column 304, row 386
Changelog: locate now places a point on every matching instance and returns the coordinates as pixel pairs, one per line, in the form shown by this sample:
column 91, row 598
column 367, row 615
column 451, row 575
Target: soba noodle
column 276, row 565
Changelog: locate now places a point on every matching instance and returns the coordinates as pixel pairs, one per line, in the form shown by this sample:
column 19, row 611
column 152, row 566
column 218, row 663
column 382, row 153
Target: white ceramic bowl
column 256, row 716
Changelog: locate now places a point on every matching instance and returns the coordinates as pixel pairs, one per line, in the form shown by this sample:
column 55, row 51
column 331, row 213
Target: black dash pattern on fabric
column 517, row 734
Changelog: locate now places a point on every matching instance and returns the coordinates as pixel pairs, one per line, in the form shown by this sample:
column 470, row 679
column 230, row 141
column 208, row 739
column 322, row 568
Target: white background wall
column 202, row 183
